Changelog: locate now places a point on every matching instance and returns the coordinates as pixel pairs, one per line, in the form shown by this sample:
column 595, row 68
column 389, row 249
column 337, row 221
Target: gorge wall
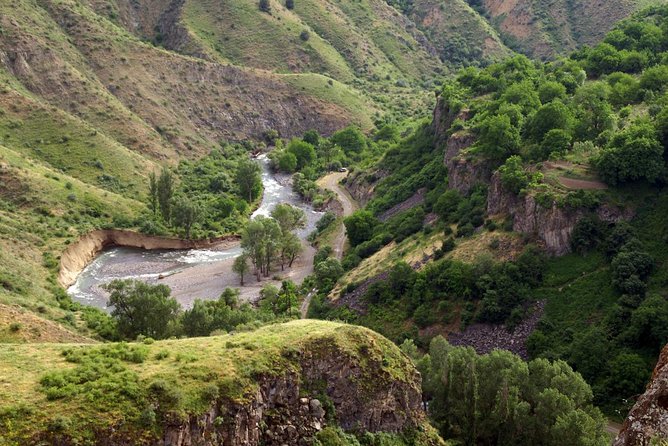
column 551, row 225
column 648, row 419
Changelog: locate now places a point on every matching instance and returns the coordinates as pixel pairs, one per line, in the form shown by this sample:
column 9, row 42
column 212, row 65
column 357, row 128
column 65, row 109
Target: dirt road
column 349, row 204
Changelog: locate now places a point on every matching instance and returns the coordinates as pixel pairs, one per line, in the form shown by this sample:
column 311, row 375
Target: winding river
column 160, row 265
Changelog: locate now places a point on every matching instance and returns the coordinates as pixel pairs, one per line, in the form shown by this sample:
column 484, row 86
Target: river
column 151, row 265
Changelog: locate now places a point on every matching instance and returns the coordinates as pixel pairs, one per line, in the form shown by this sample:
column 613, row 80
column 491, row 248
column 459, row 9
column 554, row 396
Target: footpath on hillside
column 332, row 182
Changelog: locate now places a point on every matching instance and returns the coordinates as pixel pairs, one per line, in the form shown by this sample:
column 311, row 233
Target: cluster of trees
column 270, row 240
column 312, row 154
column 211, row 197
column 486, row 291
column 541, row 111
column 500, row 399
column 141, row 309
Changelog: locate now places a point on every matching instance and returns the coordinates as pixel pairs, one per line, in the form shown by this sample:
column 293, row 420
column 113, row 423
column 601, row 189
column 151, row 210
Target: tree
column 185, row 214
column 240, row 266
column 634, row 154
column 153, row 192
column 360, row 226
column 554, row 115
column 261, row 242
column 551, row 90
column 303, row 151
column 499, row 399
column 291, row 246
column 287, row 162
column 142, row 309
column 499, row 139
column 288, row 217
column 290, row 4
column 328, row 272
column 312, row 137
column 248, row 179
column 265, row 6
column 555, row 141
column 593, row 111
column 165, row 189
column 351, row 140
column 515, row 177
column 655, row 78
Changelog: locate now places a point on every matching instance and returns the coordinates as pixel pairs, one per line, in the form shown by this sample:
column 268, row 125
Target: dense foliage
column 498, row 399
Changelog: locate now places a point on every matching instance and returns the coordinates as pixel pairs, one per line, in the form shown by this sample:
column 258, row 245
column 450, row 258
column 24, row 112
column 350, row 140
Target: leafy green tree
column 555, row 141
column 287, row 162
column 649, row 324
column 240, row 267
column 627, row 375
column 165, row 189
column 260, row 240
column 515, row 177
column 312, row 137
column 153, row 193
column 291, row 247
column 360, row 226
column 185, row 213
column 554, row 115
column 593, row 111
column 142, row 309
column 303, row 151
column 499, row 139
column 288, row 217
column 655, row 78
column 522, row 93
column 447, row 204
column 634, row 154
column 551, row 90
column 224, row 314
column 248, row 179
column 351, row 140
column 603, row 59
column 625, row 89
column 499, row 399
column 328, row 272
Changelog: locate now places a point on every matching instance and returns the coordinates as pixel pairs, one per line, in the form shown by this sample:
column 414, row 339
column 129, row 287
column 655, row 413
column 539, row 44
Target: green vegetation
column 141, row 386
column 500, row 399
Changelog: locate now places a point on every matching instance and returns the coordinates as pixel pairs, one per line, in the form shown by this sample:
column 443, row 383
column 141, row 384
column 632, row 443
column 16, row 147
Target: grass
column 105, row 384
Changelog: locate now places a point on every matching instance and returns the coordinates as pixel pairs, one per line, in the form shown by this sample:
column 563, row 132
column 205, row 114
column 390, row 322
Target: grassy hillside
column 545, row 28
column 112, row 388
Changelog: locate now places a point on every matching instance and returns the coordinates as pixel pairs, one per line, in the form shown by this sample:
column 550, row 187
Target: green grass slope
column 78, row 391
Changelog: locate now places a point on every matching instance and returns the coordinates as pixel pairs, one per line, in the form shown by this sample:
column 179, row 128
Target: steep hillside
column 463, row 37
column 282, row 384
column 545, row 28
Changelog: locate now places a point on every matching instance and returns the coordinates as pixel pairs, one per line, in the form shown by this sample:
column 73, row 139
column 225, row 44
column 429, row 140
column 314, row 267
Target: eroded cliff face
column 552, row 225
column 648, row 419
column 465, row 172
column 291, row 409
column 286, row 389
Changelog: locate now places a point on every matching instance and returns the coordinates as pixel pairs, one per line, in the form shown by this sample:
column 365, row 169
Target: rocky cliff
column 464, row 172
column 648, row 419
column 551, row 225
column 279, row 385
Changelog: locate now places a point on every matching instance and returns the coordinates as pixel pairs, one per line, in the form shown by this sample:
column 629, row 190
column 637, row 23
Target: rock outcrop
column 465, row 172
column 80, row 253
column 648, row 419
column 278, row 385
column 553, row 225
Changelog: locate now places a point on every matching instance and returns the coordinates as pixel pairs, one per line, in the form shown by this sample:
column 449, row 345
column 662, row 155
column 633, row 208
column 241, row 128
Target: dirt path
column 613, row 428
column 349, row 204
